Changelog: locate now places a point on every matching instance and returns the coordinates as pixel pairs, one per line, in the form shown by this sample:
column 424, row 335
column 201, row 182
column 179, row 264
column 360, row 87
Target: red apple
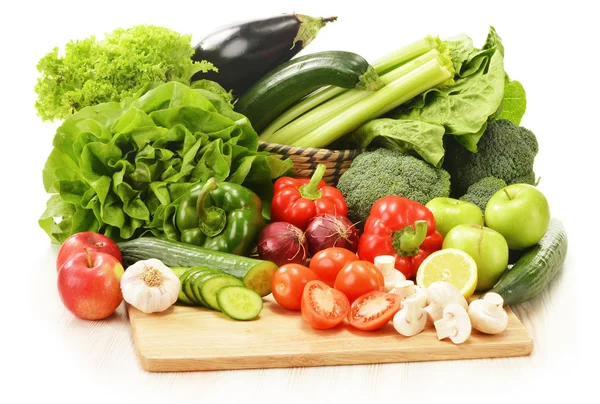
column 87, row 239
column 89, row 284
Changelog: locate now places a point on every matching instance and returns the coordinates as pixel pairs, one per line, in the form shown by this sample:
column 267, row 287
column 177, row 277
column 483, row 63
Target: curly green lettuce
column 96, row 71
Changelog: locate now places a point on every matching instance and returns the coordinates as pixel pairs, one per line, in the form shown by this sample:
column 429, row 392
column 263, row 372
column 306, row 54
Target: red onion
column 330, row 230
column 282, row 243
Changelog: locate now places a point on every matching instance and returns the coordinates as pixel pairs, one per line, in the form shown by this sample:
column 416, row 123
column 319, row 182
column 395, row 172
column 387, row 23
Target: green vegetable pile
column 93, row 72
column 120, row 168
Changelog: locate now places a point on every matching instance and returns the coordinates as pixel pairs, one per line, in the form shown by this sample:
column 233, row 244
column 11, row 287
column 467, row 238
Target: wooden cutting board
column 194, row 339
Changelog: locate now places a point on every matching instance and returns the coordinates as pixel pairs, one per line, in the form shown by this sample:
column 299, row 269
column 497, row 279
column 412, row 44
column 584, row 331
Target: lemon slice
column 450, row 265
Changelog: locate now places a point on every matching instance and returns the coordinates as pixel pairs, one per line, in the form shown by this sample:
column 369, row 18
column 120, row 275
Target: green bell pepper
column 222, row 216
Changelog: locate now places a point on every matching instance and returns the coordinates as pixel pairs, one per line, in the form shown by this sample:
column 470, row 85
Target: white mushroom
column 439, row 295
column 411, row 319
column 422, row 296
column 488, row 314
column 386, row 265
column 404, row 289
column 455, row 324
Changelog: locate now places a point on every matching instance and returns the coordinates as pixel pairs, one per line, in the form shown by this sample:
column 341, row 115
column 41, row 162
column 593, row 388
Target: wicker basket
column 306, row 159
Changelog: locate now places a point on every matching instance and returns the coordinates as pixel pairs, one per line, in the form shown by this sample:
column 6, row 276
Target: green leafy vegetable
column 120, row 168
column 465, row 106
column 514, row 103
column 409, row 136
column 92, row 72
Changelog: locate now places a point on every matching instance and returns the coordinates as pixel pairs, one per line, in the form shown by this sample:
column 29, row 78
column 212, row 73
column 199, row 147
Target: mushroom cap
column 439, row 295
column 488, row 315
column 402, row 323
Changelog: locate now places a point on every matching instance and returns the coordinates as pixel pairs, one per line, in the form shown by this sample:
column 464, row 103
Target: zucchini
column 532, row 272
column 239, row 303
column 274, row 93
column 255, row 273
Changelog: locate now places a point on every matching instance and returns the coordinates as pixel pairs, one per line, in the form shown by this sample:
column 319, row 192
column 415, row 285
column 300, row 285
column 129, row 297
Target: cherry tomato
column 373, row 310
column 329, row 262
column 288, row 284
column 357, row 278
column 323, row 307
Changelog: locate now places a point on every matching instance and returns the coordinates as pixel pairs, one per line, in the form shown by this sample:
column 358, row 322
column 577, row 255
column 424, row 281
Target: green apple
column 486, row 246
column 521, row 213
column 450, row 212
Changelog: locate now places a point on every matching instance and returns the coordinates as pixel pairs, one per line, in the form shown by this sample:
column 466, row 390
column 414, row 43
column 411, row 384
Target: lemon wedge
column 450, row 265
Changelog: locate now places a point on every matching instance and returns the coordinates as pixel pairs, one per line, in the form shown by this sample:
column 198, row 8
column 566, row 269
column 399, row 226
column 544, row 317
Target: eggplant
column 244, row 52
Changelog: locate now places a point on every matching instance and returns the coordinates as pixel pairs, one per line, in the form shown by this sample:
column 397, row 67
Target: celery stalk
column 308, row 103
column 323, row 113
column 403, row 89
column 381, row 66
column 406, row 53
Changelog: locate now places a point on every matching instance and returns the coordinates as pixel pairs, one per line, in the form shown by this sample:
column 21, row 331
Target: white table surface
column 551, row 49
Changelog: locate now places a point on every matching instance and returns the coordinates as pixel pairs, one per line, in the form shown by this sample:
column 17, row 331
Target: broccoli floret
column 382, row 172
column 481, row 192
column 505, row 151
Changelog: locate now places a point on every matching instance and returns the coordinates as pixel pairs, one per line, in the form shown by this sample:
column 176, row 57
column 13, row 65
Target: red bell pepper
column 402, row 228
column 298, row 200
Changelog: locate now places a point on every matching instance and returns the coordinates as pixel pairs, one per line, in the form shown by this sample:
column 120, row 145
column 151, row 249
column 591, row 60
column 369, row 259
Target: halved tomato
column 373, row 310
column 323, row 307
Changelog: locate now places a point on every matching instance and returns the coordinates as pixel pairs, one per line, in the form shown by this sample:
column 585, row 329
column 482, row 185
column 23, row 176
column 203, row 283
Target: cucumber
column 178, row 271
column 198, row 282
column 182, row 298
column 211, row 286
column 187, row 286
column 530, row 275
column 255, row 273
column 270, row 96
column 239, row 302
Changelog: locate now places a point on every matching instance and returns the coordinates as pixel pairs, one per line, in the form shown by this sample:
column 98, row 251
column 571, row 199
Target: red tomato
column 357, row 278
column 373, row 310
column 329, row 262
column 288, row 284
column 323, row 307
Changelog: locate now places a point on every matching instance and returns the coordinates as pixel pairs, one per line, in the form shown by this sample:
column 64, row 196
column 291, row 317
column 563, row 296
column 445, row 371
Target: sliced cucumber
column 255, row 273
column 189, row 282
column 182, row 298
column 198, row 284
column 210, row 287
column 178, row 271
column 239, row 302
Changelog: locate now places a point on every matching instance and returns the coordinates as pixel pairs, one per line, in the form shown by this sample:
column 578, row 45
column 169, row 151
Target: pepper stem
column 311, row 190
column 406, row 242
column 212, row 219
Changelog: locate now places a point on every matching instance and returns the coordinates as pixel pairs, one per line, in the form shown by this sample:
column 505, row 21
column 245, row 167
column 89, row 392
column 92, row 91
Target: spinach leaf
column 465, row 106
column 411, row 136
column 514, row 102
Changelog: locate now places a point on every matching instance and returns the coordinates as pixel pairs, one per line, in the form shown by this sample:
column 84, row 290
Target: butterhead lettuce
column 119, row 168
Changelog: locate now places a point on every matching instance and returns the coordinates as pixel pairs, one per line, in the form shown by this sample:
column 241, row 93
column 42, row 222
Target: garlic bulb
column 150, row 286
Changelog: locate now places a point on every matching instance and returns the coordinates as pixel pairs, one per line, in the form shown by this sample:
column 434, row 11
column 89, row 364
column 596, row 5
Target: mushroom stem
column 414, row 312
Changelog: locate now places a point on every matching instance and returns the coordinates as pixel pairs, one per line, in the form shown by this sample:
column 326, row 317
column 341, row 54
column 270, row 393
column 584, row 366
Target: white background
column 551, row 47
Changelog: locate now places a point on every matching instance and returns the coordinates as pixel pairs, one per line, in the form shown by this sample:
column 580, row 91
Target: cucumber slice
column 209, row 288
column 178, row 271
column 182, row 298
column 187, row 286
column 239, row 302
column 198, row 284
